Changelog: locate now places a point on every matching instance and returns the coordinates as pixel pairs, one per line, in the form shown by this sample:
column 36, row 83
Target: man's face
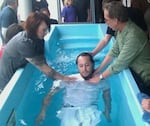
column 85, row 67
column 112, row 23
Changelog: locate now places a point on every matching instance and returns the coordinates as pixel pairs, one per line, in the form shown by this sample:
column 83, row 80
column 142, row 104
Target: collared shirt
column 132, row 49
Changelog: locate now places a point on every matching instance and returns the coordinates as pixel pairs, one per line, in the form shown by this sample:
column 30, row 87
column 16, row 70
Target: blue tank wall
column 23, row 98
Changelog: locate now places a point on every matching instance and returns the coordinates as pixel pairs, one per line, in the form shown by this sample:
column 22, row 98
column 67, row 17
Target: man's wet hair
column 85, row 54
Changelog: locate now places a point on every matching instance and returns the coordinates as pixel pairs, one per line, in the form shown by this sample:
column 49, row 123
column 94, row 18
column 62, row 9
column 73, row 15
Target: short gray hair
column 116, row 10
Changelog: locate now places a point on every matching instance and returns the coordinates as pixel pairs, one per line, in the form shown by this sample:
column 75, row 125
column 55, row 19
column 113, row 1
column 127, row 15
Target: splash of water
column 22, row 122
column 39, row 84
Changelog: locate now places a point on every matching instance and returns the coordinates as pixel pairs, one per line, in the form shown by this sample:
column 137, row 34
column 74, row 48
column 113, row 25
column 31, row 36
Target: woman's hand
column 146, row 104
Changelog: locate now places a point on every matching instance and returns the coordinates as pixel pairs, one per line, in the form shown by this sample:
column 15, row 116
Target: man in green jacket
column 131, row 49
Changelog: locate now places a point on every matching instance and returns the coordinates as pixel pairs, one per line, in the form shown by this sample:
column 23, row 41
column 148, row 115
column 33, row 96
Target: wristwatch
column 101, row 77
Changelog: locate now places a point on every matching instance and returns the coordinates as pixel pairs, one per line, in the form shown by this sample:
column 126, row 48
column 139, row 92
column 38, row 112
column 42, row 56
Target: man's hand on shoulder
column 95, row 79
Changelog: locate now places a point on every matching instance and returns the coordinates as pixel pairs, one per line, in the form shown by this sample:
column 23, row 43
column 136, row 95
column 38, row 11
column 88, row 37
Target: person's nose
column 84, row 68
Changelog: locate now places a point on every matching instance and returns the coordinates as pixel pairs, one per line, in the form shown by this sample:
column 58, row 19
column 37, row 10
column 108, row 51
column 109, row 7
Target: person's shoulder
column 65, row 7
column 7, row 12
column 8, row 9
column 5, row 8
column 22, row 39
column 78, row 76
column 74, row 75
column 12, row 30
column 23, row 35
column 133, row 28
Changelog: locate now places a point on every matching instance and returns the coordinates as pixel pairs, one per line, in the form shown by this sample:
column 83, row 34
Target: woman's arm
column 40, row 63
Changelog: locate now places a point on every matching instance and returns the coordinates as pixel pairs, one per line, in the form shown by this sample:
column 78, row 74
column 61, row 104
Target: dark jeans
column 143, row 87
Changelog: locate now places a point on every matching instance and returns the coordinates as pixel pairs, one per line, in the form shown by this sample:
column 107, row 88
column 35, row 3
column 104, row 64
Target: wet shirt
column 15, row 52
column 69, row 14
column 80, row 92
column 132, row 49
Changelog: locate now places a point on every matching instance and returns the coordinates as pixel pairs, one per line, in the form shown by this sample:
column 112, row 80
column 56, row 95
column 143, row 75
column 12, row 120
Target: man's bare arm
column 46, row 101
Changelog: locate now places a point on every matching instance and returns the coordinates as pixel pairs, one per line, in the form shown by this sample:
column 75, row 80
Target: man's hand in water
column 41, row 116
column 46, row 101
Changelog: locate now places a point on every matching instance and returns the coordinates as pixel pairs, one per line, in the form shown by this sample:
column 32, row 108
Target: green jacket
column 132, row 49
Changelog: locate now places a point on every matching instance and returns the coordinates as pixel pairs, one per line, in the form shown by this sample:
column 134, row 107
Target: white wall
column 53, row 8
column 24, row 8
column 126, row 3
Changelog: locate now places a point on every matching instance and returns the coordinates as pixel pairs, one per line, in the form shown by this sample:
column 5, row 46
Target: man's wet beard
column 89, row 76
